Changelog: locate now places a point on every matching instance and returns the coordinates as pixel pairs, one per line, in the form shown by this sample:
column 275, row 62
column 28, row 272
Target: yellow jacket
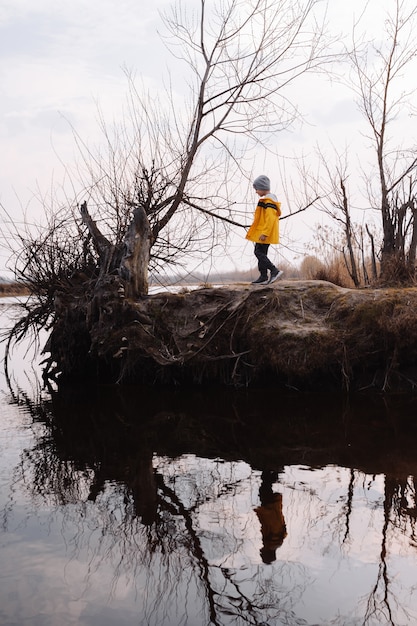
column 266, row 220
column 272, row 520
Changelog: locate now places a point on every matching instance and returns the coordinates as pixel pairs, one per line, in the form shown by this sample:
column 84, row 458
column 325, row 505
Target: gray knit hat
column 262, row 183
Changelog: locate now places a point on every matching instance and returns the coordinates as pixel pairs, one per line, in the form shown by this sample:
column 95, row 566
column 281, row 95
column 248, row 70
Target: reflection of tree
column 381, row 604
column 404, row 505
column 138, row 519
column 119, row 466
column 348, row 507
column 172, row 503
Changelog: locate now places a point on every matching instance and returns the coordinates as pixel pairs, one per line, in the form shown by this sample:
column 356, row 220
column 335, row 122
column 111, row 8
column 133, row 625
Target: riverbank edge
column 304, row 335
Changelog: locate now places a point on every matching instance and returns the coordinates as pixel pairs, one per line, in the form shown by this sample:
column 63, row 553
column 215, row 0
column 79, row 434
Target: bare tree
column 383, row 72
column 162, row 185
column 330, row 186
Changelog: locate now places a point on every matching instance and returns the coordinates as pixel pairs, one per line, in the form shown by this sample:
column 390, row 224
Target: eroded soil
column 299, row 334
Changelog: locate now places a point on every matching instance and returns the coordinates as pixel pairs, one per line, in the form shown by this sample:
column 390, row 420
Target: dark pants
column 264, row 264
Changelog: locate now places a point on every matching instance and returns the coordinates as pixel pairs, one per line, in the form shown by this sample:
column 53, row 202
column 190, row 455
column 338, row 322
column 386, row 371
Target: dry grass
column 333, row 270
column 13, row 289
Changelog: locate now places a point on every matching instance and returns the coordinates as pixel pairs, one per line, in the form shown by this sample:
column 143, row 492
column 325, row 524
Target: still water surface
column 134, row 506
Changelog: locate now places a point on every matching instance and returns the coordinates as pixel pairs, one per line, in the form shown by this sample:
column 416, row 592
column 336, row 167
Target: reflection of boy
column 272, row 521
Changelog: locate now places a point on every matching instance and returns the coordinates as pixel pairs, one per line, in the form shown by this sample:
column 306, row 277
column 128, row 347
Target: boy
column 265, row 230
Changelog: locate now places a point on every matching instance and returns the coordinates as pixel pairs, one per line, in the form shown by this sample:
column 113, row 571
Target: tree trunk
column 348, row 234
column 373, row 255
column 107, row 252
column 130, row 260
column 411, row 260
column 135, row 260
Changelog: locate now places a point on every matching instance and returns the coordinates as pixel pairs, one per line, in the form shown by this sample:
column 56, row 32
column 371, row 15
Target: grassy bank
column 305, row 335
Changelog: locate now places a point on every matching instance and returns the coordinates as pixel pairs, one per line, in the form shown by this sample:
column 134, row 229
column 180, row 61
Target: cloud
column 58, row 60
column 98, row 32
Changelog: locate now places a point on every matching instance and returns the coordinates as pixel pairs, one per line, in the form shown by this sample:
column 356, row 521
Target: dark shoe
column 262, row 280
column 275, row 274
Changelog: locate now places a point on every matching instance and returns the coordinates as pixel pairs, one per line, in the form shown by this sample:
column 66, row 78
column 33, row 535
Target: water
column 124, row 505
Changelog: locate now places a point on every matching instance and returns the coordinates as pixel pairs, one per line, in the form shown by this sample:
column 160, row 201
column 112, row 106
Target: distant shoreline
column 13, row 289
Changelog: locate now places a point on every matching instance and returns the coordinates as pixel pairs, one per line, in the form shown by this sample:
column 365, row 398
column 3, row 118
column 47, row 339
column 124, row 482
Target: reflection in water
column 194, row 508
column 270, row 515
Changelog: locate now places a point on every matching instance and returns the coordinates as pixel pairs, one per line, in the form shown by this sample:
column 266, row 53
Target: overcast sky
column 60, row 59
